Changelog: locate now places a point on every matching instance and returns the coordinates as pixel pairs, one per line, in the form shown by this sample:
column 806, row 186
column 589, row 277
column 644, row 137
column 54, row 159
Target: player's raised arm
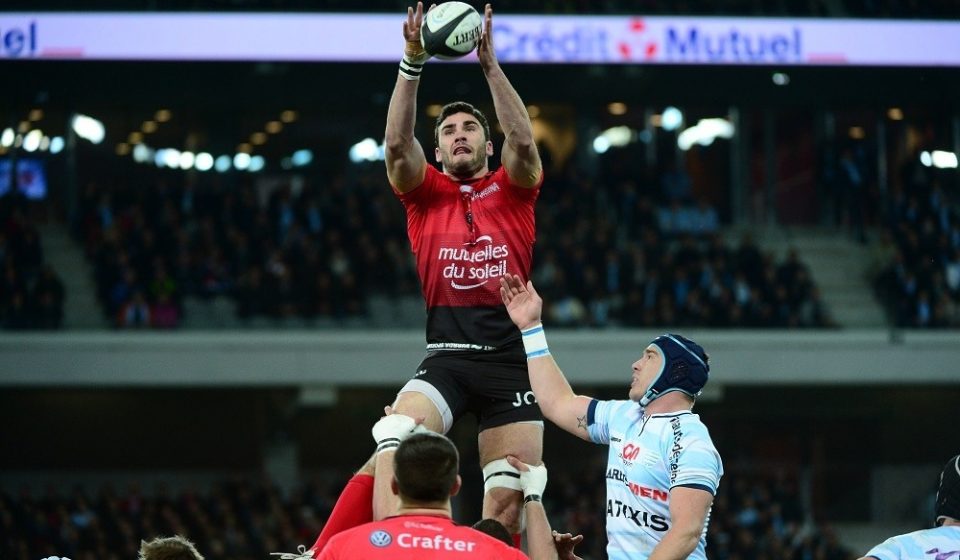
column 557, row 400
column 406, row 164
column 520, row 157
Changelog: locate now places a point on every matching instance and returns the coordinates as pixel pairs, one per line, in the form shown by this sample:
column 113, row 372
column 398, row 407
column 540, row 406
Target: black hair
column 426, row 467
column 460, row 107
column 495, row 529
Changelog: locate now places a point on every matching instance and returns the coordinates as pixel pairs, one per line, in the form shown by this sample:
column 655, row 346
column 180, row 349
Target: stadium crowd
column 754, row 517
column 31, row 292
column 313, row 253
column 917, row 259
column 606, row 255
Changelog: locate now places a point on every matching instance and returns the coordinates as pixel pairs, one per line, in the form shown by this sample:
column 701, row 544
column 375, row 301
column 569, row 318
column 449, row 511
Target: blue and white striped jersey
column 940, row 543
column 648, row 456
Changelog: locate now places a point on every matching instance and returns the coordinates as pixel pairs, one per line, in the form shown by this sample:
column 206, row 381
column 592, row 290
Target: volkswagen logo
column 380, row 539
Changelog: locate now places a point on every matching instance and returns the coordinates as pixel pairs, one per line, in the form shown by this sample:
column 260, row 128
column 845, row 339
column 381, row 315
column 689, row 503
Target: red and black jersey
column 466, row 235
column 416, row 537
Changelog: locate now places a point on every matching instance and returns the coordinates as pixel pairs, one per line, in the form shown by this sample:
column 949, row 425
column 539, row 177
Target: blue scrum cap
column 685, row 368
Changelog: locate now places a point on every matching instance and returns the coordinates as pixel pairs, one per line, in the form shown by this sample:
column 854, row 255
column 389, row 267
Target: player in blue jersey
column 942, row 542
column 662, row 468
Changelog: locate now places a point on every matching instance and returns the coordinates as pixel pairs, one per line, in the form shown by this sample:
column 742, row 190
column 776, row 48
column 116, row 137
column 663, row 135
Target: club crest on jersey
column 629, row 453
column 380, row 538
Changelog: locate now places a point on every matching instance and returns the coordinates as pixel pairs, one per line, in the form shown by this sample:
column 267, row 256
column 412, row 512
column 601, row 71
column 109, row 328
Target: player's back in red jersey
column 415, row 537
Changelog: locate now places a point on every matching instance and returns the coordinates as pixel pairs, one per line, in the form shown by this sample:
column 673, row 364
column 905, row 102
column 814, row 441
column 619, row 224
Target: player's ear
column 436, row 154
column 394, row 487
column 456, row 486
column 489, row 148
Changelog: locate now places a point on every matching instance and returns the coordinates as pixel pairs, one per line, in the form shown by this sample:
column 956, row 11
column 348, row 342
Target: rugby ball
column 451, row 30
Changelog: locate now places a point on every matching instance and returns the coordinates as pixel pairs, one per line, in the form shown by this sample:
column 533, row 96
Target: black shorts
column 494, row 386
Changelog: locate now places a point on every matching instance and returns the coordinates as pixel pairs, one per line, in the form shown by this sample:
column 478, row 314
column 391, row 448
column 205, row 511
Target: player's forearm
column 539, row 535
column 549, row 384
column 385, row 502
column 511, row 112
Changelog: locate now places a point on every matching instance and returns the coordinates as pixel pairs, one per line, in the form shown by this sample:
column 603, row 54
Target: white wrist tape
column 499, row 474
column 411, row 67
column 390, row 430
column 533, row 482
column 535, row 342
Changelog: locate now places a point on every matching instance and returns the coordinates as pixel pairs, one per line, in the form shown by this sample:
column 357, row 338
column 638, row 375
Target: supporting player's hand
column 533, row 479
column 485, row 52
column 393, row 428
column 523, row 303
column 419, row 420
column 411, row 32
column 565, row 543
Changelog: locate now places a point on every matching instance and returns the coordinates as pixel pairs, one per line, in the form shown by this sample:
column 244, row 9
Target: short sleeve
column 421, row 191
column 693, row 461
column 528, row 195
column 599, row 416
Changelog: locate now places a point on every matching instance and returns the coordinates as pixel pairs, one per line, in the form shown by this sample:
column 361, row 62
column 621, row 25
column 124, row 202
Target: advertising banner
column 518, row 39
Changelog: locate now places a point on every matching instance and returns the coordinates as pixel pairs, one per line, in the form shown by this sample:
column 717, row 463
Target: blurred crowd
column 763, row 518
column 803, row 8
column 235, row 520
column 633, row 254
column 31, row 293
column 626, row 254
column 917, row 259
column 309, row 253
column 754, row 517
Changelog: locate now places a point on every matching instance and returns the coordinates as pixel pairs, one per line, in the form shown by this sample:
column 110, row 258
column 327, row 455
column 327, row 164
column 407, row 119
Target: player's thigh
column 523, row 440
column 418, row 405
column 510, row 419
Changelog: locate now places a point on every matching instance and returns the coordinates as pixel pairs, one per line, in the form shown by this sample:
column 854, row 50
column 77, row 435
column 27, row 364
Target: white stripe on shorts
column 431, row 392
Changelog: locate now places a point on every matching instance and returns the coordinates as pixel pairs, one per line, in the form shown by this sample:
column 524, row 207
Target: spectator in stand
column 164, row 313
column 31, row 293
column 135, row 313
column 918, row 282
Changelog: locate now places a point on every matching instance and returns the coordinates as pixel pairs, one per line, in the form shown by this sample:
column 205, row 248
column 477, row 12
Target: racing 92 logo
column 629, row 453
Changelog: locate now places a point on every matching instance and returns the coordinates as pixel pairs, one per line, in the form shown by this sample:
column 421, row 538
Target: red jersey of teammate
column 466, row 235
column 416, row 537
